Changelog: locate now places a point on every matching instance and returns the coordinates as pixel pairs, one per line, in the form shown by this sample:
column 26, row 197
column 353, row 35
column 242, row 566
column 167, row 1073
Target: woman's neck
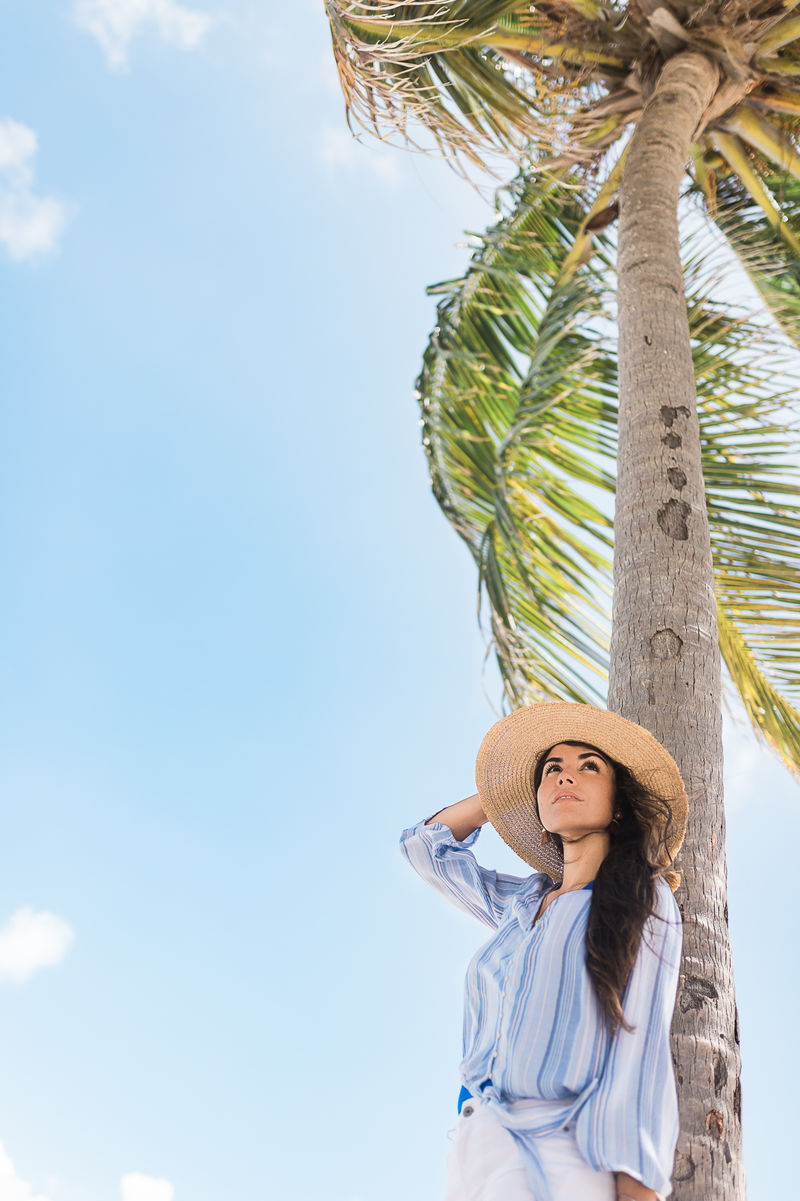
column 582, row 859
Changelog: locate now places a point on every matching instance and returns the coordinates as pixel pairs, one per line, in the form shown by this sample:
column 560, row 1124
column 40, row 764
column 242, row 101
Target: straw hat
column 508, row 755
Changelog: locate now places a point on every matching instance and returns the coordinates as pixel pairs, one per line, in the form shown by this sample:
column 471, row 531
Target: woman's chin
column 577, row 833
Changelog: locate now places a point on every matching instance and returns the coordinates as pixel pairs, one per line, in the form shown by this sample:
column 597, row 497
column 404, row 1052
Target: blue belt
column 465, row 1094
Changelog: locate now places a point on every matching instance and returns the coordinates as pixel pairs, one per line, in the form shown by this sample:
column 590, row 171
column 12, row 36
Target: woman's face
column 576, row 793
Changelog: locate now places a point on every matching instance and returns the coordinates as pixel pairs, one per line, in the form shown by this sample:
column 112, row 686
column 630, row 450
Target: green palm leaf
column 518, row 396
column 764, row 248
column 771, row 715
column 753, row 505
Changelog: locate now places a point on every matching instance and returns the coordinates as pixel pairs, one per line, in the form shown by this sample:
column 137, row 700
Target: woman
column 568, row 1091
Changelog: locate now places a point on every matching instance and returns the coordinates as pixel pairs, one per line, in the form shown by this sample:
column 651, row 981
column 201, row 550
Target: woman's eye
column 551, row 767
column 593, row 766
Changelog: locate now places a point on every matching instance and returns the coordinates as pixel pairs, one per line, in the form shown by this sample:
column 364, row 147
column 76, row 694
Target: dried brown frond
column 558, row 81
column 510, row 83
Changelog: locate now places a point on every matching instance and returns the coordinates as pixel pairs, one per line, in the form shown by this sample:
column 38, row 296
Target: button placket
column 529, row 938
column 512, row 962
column 500, row 1010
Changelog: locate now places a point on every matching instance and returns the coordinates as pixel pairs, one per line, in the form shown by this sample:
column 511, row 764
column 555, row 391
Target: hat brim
column 512, row 747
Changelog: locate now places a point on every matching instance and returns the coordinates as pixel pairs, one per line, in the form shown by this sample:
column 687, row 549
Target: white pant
column 485, row 1163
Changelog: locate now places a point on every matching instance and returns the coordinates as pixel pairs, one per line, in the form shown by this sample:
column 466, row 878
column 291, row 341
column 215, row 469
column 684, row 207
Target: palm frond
column 782, row 33
column 764, row 247
column 517, row 395
column 764, row 135
column 735, row 154
column 772, row 717
column 479, row 77
column 746, row 377
column 518, row 400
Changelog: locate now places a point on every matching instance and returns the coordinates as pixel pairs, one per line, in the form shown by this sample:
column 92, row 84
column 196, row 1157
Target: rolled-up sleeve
column 449, row 865
column 630, row 1122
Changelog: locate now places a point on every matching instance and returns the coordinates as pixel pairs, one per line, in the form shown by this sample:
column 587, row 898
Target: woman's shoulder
column 538, row 882
column 524, row 886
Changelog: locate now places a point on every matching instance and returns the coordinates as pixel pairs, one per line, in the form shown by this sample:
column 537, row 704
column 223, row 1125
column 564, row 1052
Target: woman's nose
column 565, row 777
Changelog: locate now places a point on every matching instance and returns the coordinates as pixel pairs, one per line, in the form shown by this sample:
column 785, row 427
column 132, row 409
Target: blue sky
column 239, row 645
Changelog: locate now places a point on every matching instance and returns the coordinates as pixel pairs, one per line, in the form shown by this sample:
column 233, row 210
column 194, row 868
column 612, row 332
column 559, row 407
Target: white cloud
column 11, row 1187
column 340, row 149
column 29, row 224
column 30, row 941
column 136, row 1187
column 17, row 146
column 115, row 23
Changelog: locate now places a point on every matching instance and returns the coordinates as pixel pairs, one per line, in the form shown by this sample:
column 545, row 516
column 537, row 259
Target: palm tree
column 528, row 399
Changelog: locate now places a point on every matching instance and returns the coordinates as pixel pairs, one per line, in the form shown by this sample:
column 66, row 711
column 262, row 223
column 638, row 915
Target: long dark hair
column 624, row 892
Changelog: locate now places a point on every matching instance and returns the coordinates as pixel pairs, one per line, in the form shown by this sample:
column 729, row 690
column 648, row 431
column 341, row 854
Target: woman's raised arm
column 462, row 818
column 439, row 851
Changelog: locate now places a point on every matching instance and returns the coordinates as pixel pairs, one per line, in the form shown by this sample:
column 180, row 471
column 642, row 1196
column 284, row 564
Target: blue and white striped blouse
column 533, row 1027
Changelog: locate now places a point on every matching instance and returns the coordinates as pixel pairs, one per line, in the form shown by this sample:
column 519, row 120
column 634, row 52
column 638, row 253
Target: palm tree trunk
column 665, row 671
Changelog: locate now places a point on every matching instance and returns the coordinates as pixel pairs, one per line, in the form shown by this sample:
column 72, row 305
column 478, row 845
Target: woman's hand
column 632, row 1189
column 462, row 818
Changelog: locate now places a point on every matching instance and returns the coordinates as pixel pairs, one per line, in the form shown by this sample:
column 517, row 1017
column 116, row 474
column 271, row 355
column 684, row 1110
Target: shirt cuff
column 439, row 836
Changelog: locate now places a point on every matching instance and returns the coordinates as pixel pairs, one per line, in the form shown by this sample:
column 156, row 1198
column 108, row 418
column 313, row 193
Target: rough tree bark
column 665, row 671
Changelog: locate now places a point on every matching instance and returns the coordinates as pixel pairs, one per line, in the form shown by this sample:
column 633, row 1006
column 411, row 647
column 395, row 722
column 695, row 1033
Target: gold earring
column 544, row 837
